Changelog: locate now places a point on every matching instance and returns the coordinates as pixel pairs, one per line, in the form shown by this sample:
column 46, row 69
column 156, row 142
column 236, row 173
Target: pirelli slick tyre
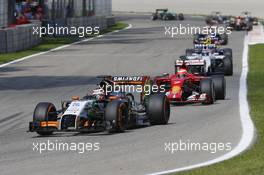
column 181, row 17
column 154, row 17
column 228, row 52
column 45, row 112
column 219, row 86
column 250, row 27
column 228, row 66
column 116, row 112
column 225, row 38
column 207, row 87
column 158, row 109
column 208, row 20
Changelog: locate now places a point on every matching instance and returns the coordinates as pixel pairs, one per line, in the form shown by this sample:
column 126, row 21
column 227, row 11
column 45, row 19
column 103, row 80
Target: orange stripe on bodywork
column 49, row 124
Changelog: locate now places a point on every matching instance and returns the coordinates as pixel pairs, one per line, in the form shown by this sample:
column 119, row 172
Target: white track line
column 61, row 47
column 247, row 124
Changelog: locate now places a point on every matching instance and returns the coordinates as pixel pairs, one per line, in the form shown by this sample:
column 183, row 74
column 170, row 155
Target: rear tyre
column 228, row 66
column 228, row 52
column 219, row 87
column 250, row 27
column 180, row 17
column 225, row 38
column 45, row 112
column 116, row 112
column 207, row 87
column 154, row 17
column 158, row 109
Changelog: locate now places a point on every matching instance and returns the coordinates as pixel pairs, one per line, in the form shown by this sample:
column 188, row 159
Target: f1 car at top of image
column 186, row 87
column 164, row 14
column 239, row 23
column 216, row 18
column 219, row 39
column 248, row 17
column 100, row 111
column 209, row 60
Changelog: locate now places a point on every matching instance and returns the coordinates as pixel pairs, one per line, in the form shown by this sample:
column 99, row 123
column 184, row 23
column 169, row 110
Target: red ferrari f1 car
column 186, row 87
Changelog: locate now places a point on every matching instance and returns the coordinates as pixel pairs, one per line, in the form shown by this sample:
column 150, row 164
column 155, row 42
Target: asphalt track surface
column 58, row 75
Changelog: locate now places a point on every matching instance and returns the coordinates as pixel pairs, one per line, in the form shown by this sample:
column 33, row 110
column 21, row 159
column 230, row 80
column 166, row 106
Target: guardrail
column 18, row 38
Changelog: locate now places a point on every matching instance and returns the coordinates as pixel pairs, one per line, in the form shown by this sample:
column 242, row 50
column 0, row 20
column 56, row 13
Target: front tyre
column 207, row 87
column 219, row 86
column 45, row 112
column 154, row 17
column 228, row 66
column 116, row 112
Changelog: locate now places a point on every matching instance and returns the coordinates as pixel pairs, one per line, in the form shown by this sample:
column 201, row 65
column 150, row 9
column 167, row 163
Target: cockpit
column 182, row 73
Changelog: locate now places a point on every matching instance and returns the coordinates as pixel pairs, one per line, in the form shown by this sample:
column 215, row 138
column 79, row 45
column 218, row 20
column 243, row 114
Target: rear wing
column 126, row 80
column 144, row 82
column 194, row 62
column 165, row 10
column 205, row 46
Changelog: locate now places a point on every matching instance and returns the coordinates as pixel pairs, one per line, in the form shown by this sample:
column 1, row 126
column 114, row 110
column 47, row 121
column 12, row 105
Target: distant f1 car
column 164, row 14
column 240, row 23
column 185, row 87
column 216, row 18
column 211, row 60
column 114, row 111
column 219, row 39
column 248, row 17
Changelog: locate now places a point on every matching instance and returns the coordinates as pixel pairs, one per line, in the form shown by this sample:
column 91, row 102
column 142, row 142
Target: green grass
column 118, row 26
column 51, row 43
column 252, row 161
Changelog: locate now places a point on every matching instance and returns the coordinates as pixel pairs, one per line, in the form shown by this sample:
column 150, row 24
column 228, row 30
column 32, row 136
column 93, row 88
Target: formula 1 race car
column 248, row 17
column 114, row 111
column 210, row 61
column 164, row 14
column 213, row 48
column 240, row 23
column 219, row 39
column 216, row 18
column 185, row 87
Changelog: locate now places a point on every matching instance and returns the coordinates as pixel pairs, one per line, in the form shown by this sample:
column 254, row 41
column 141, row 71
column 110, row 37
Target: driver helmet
column 182, row 73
